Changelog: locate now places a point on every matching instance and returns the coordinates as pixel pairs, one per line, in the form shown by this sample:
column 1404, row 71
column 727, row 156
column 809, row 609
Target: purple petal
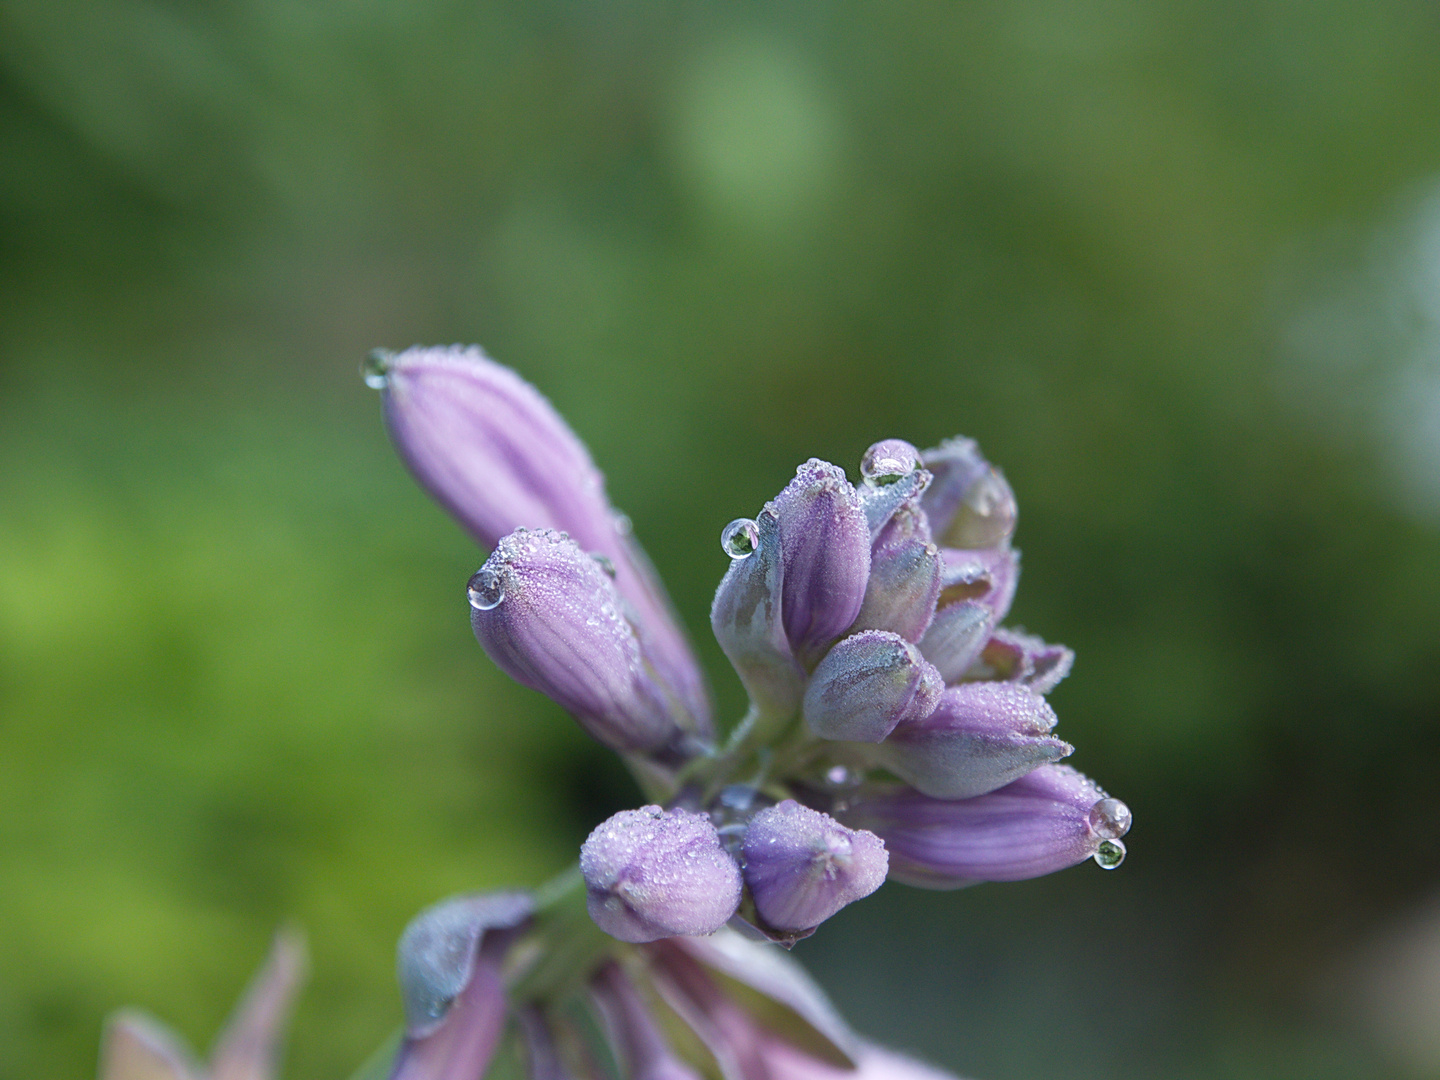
column 497, row 455
column 1034, row 826
column 249, row 1047
column 454, row 997
column 550, row 618
column 785, row 1062
column 1015, row 656
column 981, row 736
column 653, row 873
column 825, row 541
column 746, row 619
column 866, row 685
column 137, row 1047
column 955, row 637
column 969, row 503
column 986, row 577
column 905, row 575
column 640, row 1047
column 803, row 866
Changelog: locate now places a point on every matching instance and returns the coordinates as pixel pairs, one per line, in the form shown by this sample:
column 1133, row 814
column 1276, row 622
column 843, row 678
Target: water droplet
column 888, row 461
column 375, row 369
column 838, row 775
column 606, row 563
column 1110, row 854
column 1110, row 819
column 623, row 525
column 740, row 538
column 486, row 589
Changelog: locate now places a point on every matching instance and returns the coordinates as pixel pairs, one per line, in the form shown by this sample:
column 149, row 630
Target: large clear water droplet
column 1110, row 854
column 740, row 538
column 888, row 461
column 486, row 589
column 1110, row 819
column 375, row 369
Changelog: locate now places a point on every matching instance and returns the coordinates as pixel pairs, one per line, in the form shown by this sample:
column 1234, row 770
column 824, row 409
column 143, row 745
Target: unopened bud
column 866, row 685
column 969, row 503
column 905, row 574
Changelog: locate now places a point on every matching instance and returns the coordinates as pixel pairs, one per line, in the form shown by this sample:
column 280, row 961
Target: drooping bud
column 803, row 866
column 825, row 542
column 746, row 619
column 980, row 737
column 866, row 685
column 905, row 573
column 653, row 873
column 449, row 967
column 498, row 457
column 548, row 615
column 1034, row 826
column 639, row 1045
column 969, row 503
column 955, row 637
column 1014, row 656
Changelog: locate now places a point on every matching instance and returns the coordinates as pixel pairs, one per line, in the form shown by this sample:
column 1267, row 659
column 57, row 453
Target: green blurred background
column 1176, row 266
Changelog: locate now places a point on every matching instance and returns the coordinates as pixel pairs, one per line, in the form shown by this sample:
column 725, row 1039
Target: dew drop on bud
column 605, row 562
column 486, row 590
column 1110, row 819
column 1110, row 854
column 889, row 461
column 376, row 368
column 740, row 538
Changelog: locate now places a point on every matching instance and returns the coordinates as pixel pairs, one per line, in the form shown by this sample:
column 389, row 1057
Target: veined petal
column 866, row 685
column 969, row 503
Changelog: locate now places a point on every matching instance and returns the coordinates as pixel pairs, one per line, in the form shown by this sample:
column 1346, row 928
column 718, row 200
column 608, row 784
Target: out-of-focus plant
column 895, row 729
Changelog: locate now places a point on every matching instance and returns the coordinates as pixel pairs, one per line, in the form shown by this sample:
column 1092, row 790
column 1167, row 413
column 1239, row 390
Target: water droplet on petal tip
column 485, row 589
column 1110, row 854
column 740, row 538
column 375, row 368
column 1110, row 819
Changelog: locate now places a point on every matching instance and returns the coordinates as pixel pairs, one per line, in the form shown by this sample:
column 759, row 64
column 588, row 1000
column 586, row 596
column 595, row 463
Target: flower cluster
column 895, row 729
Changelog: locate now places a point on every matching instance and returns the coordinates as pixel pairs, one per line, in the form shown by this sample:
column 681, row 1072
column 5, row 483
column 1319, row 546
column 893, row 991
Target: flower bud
column 653, row 873
column 549, row 617
column 746, row 619
column 955, row 637
column 803, row 866
column 1034, row 826
column 1014, row 656
column 825, row 542
column 981, row 736
column 987, row 577
column 969, row 503
column 905, row 573
column 498, row 457
column 449, row 966
column 866, row 685
column 639, row 1046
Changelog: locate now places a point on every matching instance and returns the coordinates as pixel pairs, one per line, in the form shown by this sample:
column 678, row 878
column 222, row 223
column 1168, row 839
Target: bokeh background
column 1176, row 266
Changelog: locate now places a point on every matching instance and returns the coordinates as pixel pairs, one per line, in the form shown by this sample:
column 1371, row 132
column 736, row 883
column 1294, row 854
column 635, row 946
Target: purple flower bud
column 450, row 958
column 549, row 616
column 969, row 503
column 882, row 501
column 1034, row 826
column 905, row 572
column 955, row 637
column 641, row 1049
column 803, row 866
column 746, row 619
column 497, row 455
column 987, row 577
column 136, row 1047
column 1014, row 656
column 825, row 541
column 981, row 736
column 866, row 685
column 653, row 873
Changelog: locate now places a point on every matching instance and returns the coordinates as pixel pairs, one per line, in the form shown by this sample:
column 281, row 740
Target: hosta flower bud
column 1014, row 656
column 803, row 866
column 746, row 619
column 549, row 617
column 825, row 541
column 866, row 685
column 969, row 503
column 653, row 873
column 1034, row 826
column 449, row 966
column 905, row 573
column 497, row 455
column 955, row 637
column 986, row 577
column 981, row 736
